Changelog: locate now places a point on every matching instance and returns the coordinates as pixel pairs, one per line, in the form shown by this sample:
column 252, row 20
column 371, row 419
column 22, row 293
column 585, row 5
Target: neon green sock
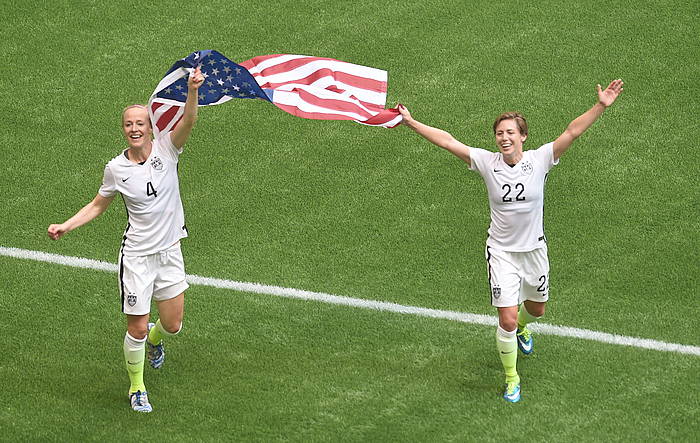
column 524, row 317
column 507, row 347
column 157, row 332
column 134, row 354
column 155, row 335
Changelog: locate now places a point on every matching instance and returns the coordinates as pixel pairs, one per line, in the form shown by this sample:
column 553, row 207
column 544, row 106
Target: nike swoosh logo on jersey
column 125, row 179
column 497, row 170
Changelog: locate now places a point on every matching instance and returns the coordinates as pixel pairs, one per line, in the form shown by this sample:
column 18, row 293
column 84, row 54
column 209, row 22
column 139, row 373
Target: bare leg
column 171, row 313
column 535, row 308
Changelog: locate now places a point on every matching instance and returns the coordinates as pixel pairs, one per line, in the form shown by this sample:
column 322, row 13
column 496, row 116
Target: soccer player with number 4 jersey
column 150, row 260
column 516, row 248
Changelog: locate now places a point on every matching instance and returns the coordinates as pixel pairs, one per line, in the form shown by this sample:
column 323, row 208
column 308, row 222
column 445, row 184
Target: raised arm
column 189, row 117
column 89, row 212
column 436, row 136
column 585, row 120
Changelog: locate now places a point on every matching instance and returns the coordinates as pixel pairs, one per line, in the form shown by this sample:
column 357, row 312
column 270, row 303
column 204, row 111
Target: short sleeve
column 167, row 147
column 545, row 155
column 109, row 187
column 479, row 159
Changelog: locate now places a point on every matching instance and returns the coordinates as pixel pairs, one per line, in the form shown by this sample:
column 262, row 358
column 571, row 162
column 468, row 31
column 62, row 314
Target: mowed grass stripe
column 278, row 291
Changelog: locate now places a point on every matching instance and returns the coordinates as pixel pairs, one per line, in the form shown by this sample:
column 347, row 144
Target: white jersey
column 516, row 196
column 151, row 193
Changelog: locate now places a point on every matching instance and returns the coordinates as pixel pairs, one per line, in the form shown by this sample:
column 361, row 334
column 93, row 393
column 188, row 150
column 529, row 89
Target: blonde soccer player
column 151, row 265
column 516, row 248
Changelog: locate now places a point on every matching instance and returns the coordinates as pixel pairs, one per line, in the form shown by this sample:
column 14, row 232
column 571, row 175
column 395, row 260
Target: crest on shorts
column 496, row 291
column 526, row 168
column 131, row 299
column 156, row 163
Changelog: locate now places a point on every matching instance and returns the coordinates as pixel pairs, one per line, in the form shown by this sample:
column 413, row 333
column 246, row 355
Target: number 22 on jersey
column 519, row 188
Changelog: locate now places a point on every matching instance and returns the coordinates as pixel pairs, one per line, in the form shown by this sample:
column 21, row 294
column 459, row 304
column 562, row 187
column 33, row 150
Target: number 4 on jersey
column 150, row 190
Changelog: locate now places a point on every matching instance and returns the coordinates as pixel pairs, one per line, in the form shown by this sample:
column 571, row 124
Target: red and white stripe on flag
column 308, row 87
column 324, row 89
column 164, row 116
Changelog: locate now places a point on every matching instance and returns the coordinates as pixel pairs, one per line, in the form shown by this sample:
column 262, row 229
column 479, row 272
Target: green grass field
column 345, row 209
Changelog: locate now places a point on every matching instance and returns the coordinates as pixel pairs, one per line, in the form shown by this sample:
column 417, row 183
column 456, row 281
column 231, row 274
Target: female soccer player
column 150, row 259
column 516, row 249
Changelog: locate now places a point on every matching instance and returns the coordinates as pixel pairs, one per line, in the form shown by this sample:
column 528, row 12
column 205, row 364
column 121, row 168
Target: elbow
column 447, row 142
column 186, row 124
column 97, row 211
column 190, row 119
column 573, row 133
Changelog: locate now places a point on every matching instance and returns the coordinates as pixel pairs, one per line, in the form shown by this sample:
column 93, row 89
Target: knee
column 508, row 318
column 137, row 331
column 535, row 309
column 172, row 327
column 508, row 324
column 137, row 326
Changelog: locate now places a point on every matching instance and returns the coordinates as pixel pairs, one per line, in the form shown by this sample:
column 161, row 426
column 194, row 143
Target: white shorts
column 518, row 276
column 160, row 276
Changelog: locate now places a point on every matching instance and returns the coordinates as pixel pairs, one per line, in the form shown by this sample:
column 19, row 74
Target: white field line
column 278, row 291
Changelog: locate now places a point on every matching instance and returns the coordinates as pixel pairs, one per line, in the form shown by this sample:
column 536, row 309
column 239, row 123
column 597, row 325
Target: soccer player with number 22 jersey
column 516, row 248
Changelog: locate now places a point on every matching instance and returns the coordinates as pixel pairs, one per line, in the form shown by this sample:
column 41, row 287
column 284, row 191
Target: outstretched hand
column 196, row 79
column 404, row 113
column 609, row 95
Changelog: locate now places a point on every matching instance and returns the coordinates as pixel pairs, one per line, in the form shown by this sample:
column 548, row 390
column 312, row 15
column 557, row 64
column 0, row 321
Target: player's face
column 508, row 137
column 137, row 127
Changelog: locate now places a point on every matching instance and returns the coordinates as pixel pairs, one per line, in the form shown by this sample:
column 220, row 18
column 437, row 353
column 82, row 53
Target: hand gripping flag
column 308, row 87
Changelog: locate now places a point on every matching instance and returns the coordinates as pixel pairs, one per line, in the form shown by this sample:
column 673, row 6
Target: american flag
column 309, row 87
